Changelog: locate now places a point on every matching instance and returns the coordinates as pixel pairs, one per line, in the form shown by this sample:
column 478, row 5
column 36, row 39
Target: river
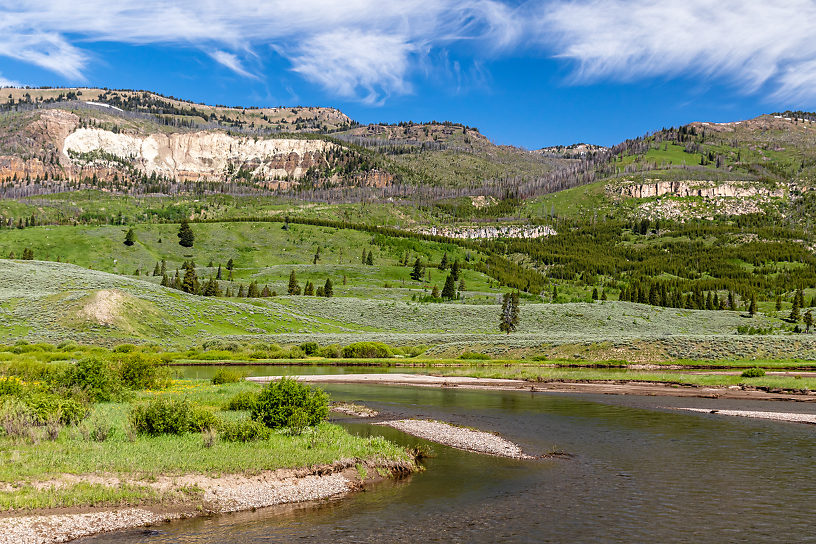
column 641, row 472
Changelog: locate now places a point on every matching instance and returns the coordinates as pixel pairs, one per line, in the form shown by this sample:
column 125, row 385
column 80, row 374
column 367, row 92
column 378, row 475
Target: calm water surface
column 641, row 473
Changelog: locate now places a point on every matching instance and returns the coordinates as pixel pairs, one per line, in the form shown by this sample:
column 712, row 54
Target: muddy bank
column 229, row 493
column 598, row 387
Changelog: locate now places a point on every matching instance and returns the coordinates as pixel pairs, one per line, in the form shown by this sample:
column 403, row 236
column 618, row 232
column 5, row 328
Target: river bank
column 606, row 387
column 213, row 495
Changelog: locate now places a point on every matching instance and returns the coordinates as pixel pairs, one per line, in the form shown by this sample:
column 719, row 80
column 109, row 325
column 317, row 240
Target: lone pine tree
column 185, row 234
column 418, row 271
column 449, row 290
column 509, row 319
column 130, row 238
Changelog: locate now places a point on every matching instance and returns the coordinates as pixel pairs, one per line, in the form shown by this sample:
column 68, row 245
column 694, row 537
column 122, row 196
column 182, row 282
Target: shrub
column 225, row 375
column 47, row 406
column 366, row 350
column 332, row 351
column 296, row 353
column 11, row 386
column 16, row 419
column 244, row 430
column 162, row 416
column 755, row 372
column 309, row 348
column 474, row 356
column 279, row 400
column 140, row 372
column 95, row 377
column 202, row 418
column 245, row 400
column 124, row 348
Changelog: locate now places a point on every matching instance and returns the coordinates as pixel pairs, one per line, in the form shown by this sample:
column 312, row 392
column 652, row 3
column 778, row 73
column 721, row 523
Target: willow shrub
column 288, row 403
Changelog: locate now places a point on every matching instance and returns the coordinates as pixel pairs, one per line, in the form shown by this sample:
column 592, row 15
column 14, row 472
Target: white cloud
column 231, row 61
column 370, row 49
column 757, row 45
column 9, row 82
column 363, row 48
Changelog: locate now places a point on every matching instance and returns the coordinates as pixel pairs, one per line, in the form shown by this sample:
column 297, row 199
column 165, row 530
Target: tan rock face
column 733, row 189
column 202, row 155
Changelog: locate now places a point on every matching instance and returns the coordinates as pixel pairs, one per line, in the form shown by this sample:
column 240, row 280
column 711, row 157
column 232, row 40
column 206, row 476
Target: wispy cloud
column 231, row 61
column 757, row 45
column 372, row 49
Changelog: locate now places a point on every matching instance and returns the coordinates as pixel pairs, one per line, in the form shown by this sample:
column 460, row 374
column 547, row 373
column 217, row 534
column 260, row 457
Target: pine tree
column 309, row 289
column 363, row 258
column 435, row 292
column 462, row 285
column 241, row 292
column 449, row 290
column 157, row 269
column 218, row 273
column 555, row 293
column 778, row 303
column 130, row 238
column 165, row 281
column 230, row 265
column 443, row 264
column 185, row 234
column 808, row 321
column 455, row 270
column 211, row 288
column 370, row 259
column 603, row 295
column 752, row 308
column 800, row 296
column 509, row 319
column 795, row 310
column 176, row 280
column 418, row 271
column 328, row 288
column 253, row 291
column 594, row 293
column 190, row 282
column 28, row 254
column 265, row 292
column 163, row 267
column 294, row 288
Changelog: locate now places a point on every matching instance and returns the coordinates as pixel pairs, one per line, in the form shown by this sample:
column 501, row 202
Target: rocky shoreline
column 458, row 437
column 229, row 493
column 775, row 416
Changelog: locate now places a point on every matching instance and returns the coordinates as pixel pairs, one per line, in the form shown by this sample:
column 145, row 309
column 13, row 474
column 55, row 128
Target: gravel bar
column 776, row 416
column 458, row 437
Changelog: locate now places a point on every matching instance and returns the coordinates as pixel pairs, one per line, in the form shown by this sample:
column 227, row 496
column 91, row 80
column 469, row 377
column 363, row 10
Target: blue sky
column 526, row 73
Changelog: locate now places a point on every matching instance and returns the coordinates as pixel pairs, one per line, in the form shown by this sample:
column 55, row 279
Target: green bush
column 202, row 418
column 162, row 416
column 124, row 348
column 296, row 353
column 332, row 351
column 280, row 400
column 245, row 400
column 755, row 372
column 474, row 356
column 309, row 348
column 366, row 350
column 11, row 386
column 244, row 430
column 140, row 372
column 48, row 406
column 225, row 375
column 96, row 378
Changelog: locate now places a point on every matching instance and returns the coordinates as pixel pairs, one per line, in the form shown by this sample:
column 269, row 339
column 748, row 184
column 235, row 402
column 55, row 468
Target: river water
column 641, row 472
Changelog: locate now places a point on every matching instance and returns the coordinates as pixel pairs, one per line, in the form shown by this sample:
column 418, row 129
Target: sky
column 531, row 74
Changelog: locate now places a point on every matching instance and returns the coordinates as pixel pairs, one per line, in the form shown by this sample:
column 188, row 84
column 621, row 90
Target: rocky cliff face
column 198, row 155
column 705, row 189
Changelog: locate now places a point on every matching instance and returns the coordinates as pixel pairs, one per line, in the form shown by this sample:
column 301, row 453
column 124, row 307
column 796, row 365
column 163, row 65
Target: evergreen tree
column 163, row 267
column 157, row 269
column 241, row 292
column 185, row 234
column 716, row 301
column 443, row 264
column 778, row 303
column 418, row 271
column 190, row 282
column 462, row 284
column 509, row 319
column 130, row 238
column 731, row 304
column 211, row 288
column 808, row 321
column 709, row 301
column 363, row 258
column 28, row 254
column 795, row 310
column 230, row 265
column 800, row 296
column 176, row 280
column 455, row 270
column 435, row 292
column 309, row 289
column 604, row 295
column 594, row 293
column 218, row 273
column 328, row 288
column 555, row 293
column 370, row 259
column 449, row 289
column 294, row 288
column 320, row 292
column 165, row 281
column 253, row 291
column 752, row 308
column 265, row 292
